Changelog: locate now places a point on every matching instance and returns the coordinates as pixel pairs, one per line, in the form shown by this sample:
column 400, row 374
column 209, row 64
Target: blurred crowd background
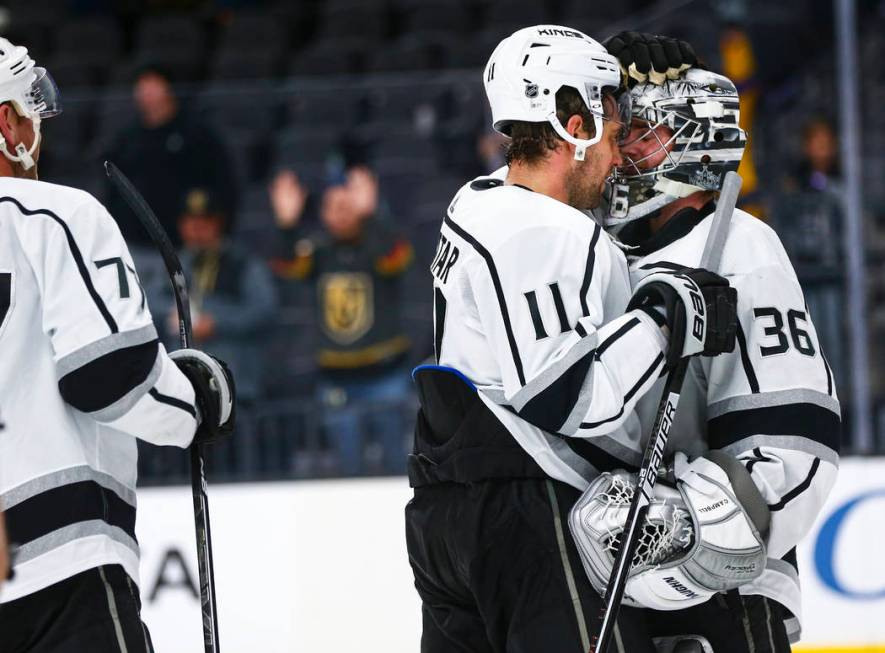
column 302, row 155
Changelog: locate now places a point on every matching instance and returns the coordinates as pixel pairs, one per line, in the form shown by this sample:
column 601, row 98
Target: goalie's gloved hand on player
column 703, row 536
column 698, row 307
column 649, row 57
column 214, row 391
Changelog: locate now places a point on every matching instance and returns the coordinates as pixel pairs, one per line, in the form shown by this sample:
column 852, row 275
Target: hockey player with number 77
column 755, row 442
column 82, row 376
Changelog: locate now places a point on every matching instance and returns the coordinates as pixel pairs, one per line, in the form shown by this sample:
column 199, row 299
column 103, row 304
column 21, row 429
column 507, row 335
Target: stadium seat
column 115, row 112
column 594, row 15
column 35, row 33
column 310, row 147
column 443, row 15
column 393, row 143
column 345, row 106
column 516, row 12
column 233, row 64
column 182, row 65
column 83, row 71
column 397, row 102
column 176, row 42
column 414, row 52
column 255, row 199
column 250, row 30
column 435, row 191
column 354, row 20
column 173, row 31
column 91, row 38
column 330, row 57
column 243, row 147
column 248, row 107
column 69, row 132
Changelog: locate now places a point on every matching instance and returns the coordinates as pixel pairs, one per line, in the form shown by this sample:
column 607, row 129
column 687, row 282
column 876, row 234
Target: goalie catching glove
column 698, row 307
column 704, row 536
column 214, row 392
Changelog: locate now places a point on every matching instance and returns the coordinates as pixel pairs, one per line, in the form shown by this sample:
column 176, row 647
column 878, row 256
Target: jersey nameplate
column 446, row 256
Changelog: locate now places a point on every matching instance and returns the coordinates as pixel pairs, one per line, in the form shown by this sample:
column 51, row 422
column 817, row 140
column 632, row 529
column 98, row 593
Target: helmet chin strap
column 581, row 144
column 23, row 155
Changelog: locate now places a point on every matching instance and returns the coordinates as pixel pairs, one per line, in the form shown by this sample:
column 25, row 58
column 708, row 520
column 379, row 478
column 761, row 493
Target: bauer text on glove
column 698, row 307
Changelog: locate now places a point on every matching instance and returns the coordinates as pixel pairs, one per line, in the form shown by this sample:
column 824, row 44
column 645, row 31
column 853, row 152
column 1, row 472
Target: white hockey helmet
column 31, row 91
column 701, row 110
column 528, row 67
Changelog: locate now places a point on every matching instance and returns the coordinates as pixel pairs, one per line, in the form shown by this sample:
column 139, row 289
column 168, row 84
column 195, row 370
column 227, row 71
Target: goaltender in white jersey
column 771, row 403
column 82, row 376
column 767, row 412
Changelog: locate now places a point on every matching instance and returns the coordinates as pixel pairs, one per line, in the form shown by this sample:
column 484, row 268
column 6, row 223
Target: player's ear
column 8, row 123
column 575, row 126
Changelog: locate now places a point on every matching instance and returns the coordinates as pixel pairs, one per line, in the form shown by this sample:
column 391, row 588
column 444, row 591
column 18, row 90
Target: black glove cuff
column 659, row 295
column 207, row 400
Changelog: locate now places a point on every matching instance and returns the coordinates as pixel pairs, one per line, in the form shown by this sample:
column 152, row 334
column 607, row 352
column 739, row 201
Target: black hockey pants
column 96, row 611
column 496, row 573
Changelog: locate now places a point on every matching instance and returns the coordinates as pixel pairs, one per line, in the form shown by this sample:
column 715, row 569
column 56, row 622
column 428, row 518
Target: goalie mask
column 31, row 91
column 528, row 67
column 684, row 137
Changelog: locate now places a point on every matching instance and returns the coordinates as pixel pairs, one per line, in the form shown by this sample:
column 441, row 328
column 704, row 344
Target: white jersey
column 771, row 403
column 529, row 301
column 82, row 375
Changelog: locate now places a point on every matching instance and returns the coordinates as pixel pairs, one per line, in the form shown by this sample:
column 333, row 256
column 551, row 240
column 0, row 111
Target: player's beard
column 583, row 184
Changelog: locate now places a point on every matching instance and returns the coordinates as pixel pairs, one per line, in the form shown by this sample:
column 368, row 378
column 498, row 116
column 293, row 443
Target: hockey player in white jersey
column 757, row 430
column 82, row 376
column 539, row 357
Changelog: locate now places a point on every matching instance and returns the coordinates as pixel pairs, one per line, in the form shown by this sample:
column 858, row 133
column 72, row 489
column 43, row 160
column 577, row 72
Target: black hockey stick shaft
column 198, row 474
column 657, row 442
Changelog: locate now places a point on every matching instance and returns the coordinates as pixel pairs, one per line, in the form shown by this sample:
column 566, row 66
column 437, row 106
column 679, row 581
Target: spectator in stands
column 819, row 169
column 166, row 152
column 807, row 214
column 232, row 293
column 356, row 264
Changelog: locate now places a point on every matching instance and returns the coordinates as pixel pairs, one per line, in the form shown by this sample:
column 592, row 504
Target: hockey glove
column 597, row 522
column 697, row 305
column 648, row 57
column 214, row 390
column 705, row 536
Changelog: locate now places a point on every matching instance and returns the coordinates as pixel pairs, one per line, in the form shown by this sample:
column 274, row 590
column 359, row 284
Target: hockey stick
column 654, row 449
column 198, row 475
